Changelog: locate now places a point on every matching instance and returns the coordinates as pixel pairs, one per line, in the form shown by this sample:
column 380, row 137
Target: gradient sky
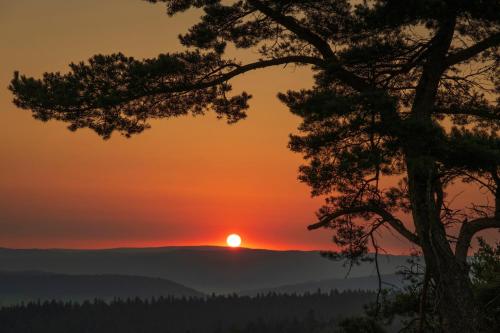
column 186, row 181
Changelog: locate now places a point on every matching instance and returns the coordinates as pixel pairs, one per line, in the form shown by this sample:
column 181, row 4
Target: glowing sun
column 233, row 240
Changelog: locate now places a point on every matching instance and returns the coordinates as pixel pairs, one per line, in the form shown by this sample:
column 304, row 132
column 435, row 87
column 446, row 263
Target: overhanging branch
column 394, row 222
column 118, row 93
column 306, row 60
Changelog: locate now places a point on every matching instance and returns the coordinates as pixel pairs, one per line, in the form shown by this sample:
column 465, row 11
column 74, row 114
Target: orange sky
column 185, row 181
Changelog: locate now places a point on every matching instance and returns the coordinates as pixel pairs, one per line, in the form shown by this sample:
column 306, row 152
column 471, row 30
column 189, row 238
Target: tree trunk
column 457, row 306
column 456, row 300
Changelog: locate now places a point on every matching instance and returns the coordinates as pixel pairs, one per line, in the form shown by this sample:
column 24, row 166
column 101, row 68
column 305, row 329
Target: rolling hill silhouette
column 34, row 285
column 205, row 268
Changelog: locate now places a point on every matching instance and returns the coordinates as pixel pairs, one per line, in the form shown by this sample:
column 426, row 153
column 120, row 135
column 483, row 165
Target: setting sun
column 233, row 240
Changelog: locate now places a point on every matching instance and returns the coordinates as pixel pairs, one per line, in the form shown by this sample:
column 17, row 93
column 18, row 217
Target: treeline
column 314, row 313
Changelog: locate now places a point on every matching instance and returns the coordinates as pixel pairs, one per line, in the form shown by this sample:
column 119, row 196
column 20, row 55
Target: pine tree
column 405, row 89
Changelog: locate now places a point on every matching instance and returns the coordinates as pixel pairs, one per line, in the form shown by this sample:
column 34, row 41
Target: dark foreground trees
column 271, row 313
column 404, row 90
column 406, row 306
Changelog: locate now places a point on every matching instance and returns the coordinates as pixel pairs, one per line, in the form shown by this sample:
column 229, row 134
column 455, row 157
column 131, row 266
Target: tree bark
column 456, row 302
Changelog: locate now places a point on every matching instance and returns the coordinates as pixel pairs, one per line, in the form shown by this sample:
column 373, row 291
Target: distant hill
column 366, row 283
column 32, row 285
column 205, row 268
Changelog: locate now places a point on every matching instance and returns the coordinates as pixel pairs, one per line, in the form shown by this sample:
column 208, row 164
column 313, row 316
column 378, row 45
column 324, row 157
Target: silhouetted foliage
column 271, row 313
column 415, row 306
column 403, row 90
column 359, row 325
column 485, row 270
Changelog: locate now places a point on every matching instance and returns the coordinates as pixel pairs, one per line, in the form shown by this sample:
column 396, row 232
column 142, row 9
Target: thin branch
column 379, row 278
column 291, row 24
column 384, row 214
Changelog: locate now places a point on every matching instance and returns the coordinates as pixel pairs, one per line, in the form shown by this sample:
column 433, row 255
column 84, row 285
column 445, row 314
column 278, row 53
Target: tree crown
column 391, row 77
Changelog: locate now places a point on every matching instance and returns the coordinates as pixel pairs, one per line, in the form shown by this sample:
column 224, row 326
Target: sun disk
column 233, row 240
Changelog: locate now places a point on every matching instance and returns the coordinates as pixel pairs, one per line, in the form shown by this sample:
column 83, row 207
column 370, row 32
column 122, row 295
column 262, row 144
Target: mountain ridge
column 17, row 286
column 206, row 269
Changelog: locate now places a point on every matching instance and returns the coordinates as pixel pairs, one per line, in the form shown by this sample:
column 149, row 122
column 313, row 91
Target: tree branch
column 468, row 230
column 241, row 70
column 347, row 77
column 118, row 93
column 291, row 24
column 492, row 113
column 433, row 68
column 384, row 214
column 465, row 54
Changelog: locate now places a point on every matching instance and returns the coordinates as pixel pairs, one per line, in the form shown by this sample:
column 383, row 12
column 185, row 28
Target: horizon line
column 172, row 246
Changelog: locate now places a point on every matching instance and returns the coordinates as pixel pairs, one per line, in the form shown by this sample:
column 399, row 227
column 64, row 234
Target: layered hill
column 206, row 268
column 34, row 285
column 365, row 283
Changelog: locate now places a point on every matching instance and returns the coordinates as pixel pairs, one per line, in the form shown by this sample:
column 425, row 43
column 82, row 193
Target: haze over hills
column 365, row 283
column 206, row 268
column 34, row 285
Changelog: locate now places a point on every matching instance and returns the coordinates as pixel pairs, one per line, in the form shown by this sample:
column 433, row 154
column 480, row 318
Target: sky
column 186, row 181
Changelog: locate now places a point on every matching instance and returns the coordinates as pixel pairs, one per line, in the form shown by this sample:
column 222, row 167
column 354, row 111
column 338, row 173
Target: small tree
column 404, row 89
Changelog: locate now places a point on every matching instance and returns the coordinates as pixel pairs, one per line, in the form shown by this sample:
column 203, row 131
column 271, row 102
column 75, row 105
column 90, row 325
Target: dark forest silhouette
column 405, row 89
column 215, row 314
column 325, row 310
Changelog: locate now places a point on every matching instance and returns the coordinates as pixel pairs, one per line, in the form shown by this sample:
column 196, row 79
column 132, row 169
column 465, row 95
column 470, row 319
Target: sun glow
column 233, row 240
